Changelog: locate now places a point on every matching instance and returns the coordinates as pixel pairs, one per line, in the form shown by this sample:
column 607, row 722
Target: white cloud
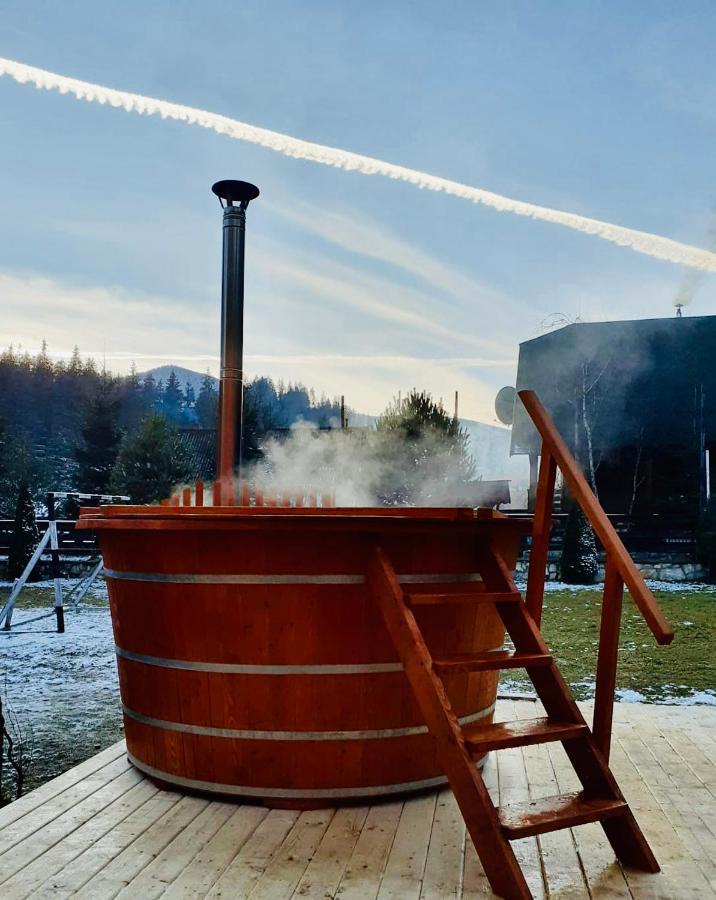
column 154, row 330
column 35, row 307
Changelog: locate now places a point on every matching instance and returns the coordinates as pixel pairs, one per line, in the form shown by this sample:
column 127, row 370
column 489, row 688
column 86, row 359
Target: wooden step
column 490, row 661
column 481, row 738
column 522, row 820
column 463, row 597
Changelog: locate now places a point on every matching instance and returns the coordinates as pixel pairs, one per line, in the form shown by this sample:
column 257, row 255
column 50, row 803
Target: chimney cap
column 235, row 192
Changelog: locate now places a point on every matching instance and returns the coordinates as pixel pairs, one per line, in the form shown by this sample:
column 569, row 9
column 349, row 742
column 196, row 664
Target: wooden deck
column 102, row 830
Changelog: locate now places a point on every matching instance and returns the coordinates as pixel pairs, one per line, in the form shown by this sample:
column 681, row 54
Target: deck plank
column 168, row 865
column 35, row 799
column 60, row 804
column 363, row 874
column 55, row 826
column 601, row 870
column 101, row 830
column 442, row 879
column 124, row 868
column 44, row 867
column 252, row 859
column 562, row 866
column 326, row 869
column 474, row 881
column 285, row 870
column 212, row 860
column 403, row 875
column 78, row 871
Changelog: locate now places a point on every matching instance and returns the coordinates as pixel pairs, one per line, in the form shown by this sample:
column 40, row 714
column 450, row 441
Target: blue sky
column 110, row 238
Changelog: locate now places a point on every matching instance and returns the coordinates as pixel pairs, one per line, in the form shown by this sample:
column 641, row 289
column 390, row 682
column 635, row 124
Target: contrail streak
column 641, row 241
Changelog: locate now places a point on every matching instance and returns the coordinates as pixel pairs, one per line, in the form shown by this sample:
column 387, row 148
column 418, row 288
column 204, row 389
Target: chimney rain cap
column 241, row 192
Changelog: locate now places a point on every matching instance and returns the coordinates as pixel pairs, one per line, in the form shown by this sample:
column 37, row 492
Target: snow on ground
column 63, row 686
column 671, row 587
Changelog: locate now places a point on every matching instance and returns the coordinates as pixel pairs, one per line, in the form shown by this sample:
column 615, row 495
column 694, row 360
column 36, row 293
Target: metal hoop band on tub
column 311, row 736
column 239, row 790
column 196, row 578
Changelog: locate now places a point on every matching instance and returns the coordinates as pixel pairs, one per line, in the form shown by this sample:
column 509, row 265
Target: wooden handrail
column 615, row 550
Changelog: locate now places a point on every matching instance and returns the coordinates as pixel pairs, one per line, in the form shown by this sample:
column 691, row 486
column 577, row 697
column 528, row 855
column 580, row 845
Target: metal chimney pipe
column 231, row 384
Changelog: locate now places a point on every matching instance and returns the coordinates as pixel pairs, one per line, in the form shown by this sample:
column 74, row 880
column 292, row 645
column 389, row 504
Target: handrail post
column 541, row 528
column 608, row 654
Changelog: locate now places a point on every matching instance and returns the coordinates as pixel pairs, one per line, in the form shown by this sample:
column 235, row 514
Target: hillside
column 185, row 376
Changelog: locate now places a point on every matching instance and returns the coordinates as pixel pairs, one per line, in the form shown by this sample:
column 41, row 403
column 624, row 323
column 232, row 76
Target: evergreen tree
column 172, row 398
column 295, row 404
column 579, row 563
column 131, row 400
column 424, row 452
column 13, row 463
column 207, row 403
column 101, row 435
column 151, row 462
column 74, row 366
column 150, row 394
column 25, row 535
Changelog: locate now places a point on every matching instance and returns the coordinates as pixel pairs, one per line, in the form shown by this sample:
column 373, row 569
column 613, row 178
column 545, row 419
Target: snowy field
column 64, row 687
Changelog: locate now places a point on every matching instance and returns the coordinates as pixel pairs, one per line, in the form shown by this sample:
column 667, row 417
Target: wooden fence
column 241, row 493
column 71, row 542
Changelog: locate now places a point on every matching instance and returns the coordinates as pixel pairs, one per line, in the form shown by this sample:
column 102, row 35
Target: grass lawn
column 685, row 671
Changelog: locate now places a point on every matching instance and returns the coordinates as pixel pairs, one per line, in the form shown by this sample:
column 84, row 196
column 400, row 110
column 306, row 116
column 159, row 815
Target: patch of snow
column 673, row 587
column 63, row 687
column 626, row 695
column 676, row 587
column 694, row 698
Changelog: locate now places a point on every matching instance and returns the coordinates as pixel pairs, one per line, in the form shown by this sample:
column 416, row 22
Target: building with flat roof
column 636, row 403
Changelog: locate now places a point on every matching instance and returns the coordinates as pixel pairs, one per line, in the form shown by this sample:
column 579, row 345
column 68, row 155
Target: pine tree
column 172, row 398
column 150, row 393
column 101, row 435
column 207, row 403
column 424, row 452
column 579, row 563
column 42, row 360
column 132, row 409
column 151, row 462
column 75, row 364
column 25, row 535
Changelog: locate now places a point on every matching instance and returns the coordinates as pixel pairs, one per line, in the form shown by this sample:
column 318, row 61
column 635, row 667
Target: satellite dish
column 505, row 404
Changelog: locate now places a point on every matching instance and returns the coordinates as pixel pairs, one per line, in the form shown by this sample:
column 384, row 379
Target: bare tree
column 584, row 397
column 17, row 745
column 637, row 479
column 587, row 401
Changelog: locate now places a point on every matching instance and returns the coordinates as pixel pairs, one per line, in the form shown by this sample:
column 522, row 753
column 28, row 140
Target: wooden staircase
column 600, row 799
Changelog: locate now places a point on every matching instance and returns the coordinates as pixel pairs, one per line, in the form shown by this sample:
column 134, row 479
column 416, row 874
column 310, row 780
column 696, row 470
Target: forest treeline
column 69, row 426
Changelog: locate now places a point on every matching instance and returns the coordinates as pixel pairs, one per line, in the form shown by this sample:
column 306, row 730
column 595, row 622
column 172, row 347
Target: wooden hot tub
column 253, row 660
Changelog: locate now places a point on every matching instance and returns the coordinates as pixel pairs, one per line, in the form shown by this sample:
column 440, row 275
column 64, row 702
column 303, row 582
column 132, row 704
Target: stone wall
column 658, row 567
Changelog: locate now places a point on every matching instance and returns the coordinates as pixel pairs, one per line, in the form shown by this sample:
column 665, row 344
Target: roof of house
column 649, row 376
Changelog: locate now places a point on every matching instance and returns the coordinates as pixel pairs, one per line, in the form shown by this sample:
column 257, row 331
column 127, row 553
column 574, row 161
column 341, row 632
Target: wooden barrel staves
column 253, row 661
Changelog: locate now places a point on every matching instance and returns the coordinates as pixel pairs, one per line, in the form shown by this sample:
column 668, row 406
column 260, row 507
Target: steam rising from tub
column 642, row 242
column 363, row 467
